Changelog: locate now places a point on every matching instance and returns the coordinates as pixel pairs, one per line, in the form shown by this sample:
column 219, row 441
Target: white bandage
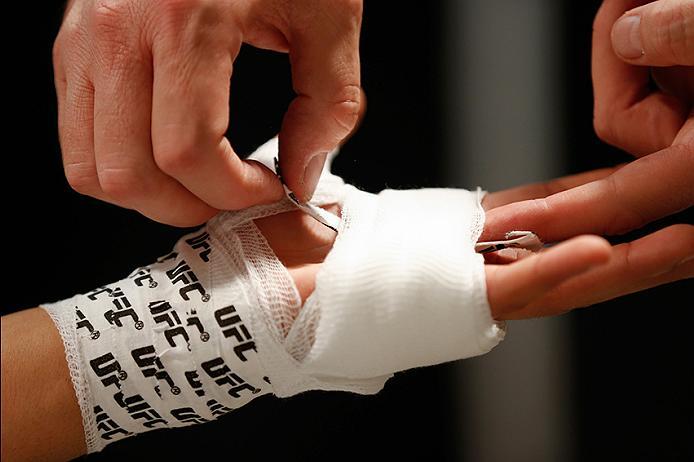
column 402, row 287
column 219, row 321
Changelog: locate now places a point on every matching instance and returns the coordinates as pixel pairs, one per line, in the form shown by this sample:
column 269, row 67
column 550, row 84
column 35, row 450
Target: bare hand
column 606, row 202
column 632, row 116
column 143, row 92
column 629, row 47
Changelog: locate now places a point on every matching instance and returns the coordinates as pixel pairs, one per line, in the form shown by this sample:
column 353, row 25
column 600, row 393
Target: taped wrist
column 164, row 347
column 219, row 321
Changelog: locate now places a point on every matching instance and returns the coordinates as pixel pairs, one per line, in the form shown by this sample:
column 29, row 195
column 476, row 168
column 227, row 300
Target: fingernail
column 626, row 37
column 312, row 173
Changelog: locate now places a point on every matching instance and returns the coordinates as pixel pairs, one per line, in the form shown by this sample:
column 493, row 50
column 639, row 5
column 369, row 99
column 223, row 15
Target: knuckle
column 81, row 177
column 109, row 25
column 345, row 109
column 120, row 184
column 627, row 214
column 345, row 114
column 109, row 15
column 628, row 266
column 176, row 156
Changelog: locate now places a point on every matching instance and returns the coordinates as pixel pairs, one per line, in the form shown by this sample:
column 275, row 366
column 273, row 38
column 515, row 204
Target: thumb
column 324, row 58
column 660, row 33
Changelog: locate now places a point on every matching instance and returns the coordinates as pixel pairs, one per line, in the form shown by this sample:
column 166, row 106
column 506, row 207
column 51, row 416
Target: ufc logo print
column 143, row 275
column 83, row 323
column 138, row 408
column 108, row 370
column 201, row 242
column 108, row 427
column 182, row 273
column 222, row 375
column 232, row 326
column 150, row 365
column 187, row 415
column 163, row 313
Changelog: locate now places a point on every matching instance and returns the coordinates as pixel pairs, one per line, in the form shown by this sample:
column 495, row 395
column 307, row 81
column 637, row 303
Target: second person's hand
column 636, row 42
column 606, row 202
column 143, row 94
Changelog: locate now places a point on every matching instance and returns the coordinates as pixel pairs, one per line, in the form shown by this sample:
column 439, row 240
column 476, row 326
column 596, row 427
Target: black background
column 632, row 357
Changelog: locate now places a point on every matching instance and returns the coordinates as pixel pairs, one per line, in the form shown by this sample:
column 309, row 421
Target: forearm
column 40, row 416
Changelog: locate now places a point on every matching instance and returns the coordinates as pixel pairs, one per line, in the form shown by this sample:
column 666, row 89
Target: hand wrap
column 219, row 321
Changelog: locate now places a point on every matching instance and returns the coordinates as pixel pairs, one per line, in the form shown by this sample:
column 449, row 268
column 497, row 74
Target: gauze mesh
column 219, row 321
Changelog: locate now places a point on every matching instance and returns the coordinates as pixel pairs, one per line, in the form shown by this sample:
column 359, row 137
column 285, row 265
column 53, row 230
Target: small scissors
column 323, row 216
column 514, row 239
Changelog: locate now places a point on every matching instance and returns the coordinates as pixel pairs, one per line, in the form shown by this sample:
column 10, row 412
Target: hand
column 630, row 46
column 606, row 201
column 143, row 92
column 579, row 272
column 614, row 201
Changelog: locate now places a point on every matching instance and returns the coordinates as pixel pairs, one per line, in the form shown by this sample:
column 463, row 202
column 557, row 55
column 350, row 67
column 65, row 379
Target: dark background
column 632, row 358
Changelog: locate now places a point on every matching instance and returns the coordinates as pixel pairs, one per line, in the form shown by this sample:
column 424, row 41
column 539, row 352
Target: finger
column 305, row 279
column 507, row 256
column 126, row 170
column 76, row 129
column 538, row 190
column 644, row 190
column 659, row 258
column 75, row 95
column 59, row 74
column 627, row 113
column 193, row 58
column 657, row 34
column 324, row 55
column 360, row 116
column 513, row 286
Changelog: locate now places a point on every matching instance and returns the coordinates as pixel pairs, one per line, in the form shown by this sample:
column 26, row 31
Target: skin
column 89, row 75
column 579, row 272
column 629, row 113
column 34, row 371
column 143, row 92
column 664, row 256
column 301, row 244
column 657, row 126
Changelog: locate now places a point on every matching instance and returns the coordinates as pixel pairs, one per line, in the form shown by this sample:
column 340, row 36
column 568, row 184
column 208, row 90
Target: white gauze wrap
column 219, row 321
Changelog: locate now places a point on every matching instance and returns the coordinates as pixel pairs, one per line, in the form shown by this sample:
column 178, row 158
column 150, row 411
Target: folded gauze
column 219, row 321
